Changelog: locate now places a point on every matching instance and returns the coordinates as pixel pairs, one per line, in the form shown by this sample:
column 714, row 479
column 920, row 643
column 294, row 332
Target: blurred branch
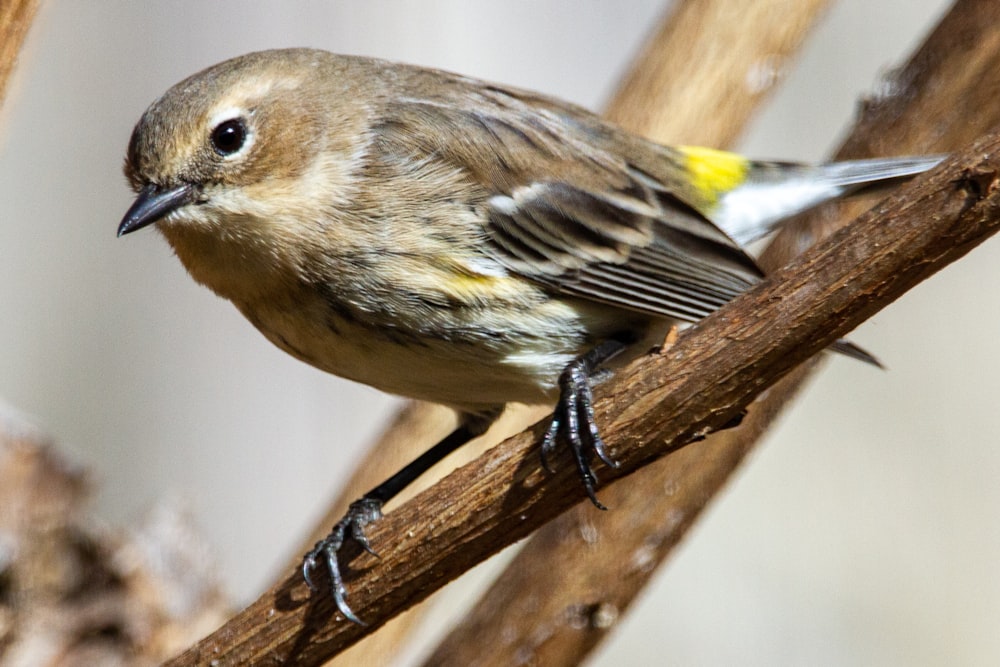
column 560, row 595
column 15, row 18
column 705, row 70
column 74, row 592
column 670, row 399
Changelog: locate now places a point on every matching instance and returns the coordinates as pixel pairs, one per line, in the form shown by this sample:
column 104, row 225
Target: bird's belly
column 488, row 362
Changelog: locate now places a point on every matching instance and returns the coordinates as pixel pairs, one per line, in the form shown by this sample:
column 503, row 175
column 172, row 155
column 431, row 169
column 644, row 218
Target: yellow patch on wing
column 714, row 172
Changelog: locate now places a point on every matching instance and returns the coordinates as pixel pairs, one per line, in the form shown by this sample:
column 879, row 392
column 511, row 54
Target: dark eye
column 229, row 136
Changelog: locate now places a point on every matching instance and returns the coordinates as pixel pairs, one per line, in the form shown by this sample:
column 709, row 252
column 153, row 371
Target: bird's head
column 242, row 161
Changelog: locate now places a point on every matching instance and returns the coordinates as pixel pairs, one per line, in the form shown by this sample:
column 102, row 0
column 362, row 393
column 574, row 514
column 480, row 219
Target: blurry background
column 864, row 531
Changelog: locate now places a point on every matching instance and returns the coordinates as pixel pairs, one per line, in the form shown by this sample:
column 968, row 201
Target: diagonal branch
column 691, row 82
column 673, row 398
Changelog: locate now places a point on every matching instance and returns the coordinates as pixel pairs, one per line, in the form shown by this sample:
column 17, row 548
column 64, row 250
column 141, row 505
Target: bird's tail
column 774, row 191
column 849, row 349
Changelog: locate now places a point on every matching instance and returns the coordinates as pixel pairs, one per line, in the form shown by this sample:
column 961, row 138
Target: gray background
column 864, row 531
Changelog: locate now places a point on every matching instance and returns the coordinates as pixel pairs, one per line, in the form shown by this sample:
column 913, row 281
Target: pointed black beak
column 152, row 204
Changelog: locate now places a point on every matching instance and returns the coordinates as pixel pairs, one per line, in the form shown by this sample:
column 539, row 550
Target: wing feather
column 576, row 204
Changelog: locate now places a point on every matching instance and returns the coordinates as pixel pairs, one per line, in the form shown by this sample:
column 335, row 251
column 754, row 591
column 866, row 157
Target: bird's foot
column 326, row 552
column 573, row 419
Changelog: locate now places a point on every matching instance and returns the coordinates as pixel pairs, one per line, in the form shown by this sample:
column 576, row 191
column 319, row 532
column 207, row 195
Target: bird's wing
column 574, row 203
column 652, row 256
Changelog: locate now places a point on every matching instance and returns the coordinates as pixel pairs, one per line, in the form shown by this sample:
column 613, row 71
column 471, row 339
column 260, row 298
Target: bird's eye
column 229, row 136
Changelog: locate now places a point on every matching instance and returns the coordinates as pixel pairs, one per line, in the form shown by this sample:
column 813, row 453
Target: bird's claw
column 325, row 554
column 573, row 420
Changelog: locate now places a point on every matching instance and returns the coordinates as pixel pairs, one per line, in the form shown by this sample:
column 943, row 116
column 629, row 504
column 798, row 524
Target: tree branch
column 698, row 385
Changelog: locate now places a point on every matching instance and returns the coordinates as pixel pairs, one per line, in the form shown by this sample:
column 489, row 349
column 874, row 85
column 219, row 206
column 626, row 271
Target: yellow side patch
column 459, row 284
column 471, row 284
column 714, row 172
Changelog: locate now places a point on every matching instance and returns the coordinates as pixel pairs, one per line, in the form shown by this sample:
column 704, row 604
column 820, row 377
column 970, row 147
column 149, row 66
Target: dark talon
column 549, row 442
column 597, row 442
column 369, row 509
column 573, row 418
column 352, row 526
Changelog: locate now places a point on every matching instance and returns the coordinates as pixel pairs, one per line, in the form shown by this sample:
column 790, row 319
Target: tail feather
column 876, row 170
column 849, row 349
column 775, row 191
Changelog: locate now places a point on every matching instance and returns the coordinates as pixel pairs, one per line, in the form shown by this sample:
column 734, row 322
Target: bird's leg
column 573, row 418
column 368, row 509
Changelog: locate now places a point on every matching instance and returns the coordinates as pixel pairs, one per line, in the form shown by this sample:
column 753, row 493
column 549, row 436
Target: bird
column 453, row 240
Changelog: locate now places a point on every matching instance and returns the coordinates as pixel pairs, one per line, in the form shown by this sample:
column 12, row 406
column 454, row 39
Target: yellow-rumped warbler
column 448, row 239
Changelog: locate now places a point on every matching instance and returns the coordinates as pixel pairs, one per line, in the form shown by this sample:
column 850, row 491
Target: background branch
column 15, row 18
column 698, row 385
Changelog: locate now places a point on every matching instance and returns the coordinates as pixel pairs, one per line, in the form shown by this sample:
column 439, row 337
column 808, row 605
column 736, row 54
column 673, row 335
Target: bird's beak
column 153, row 204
